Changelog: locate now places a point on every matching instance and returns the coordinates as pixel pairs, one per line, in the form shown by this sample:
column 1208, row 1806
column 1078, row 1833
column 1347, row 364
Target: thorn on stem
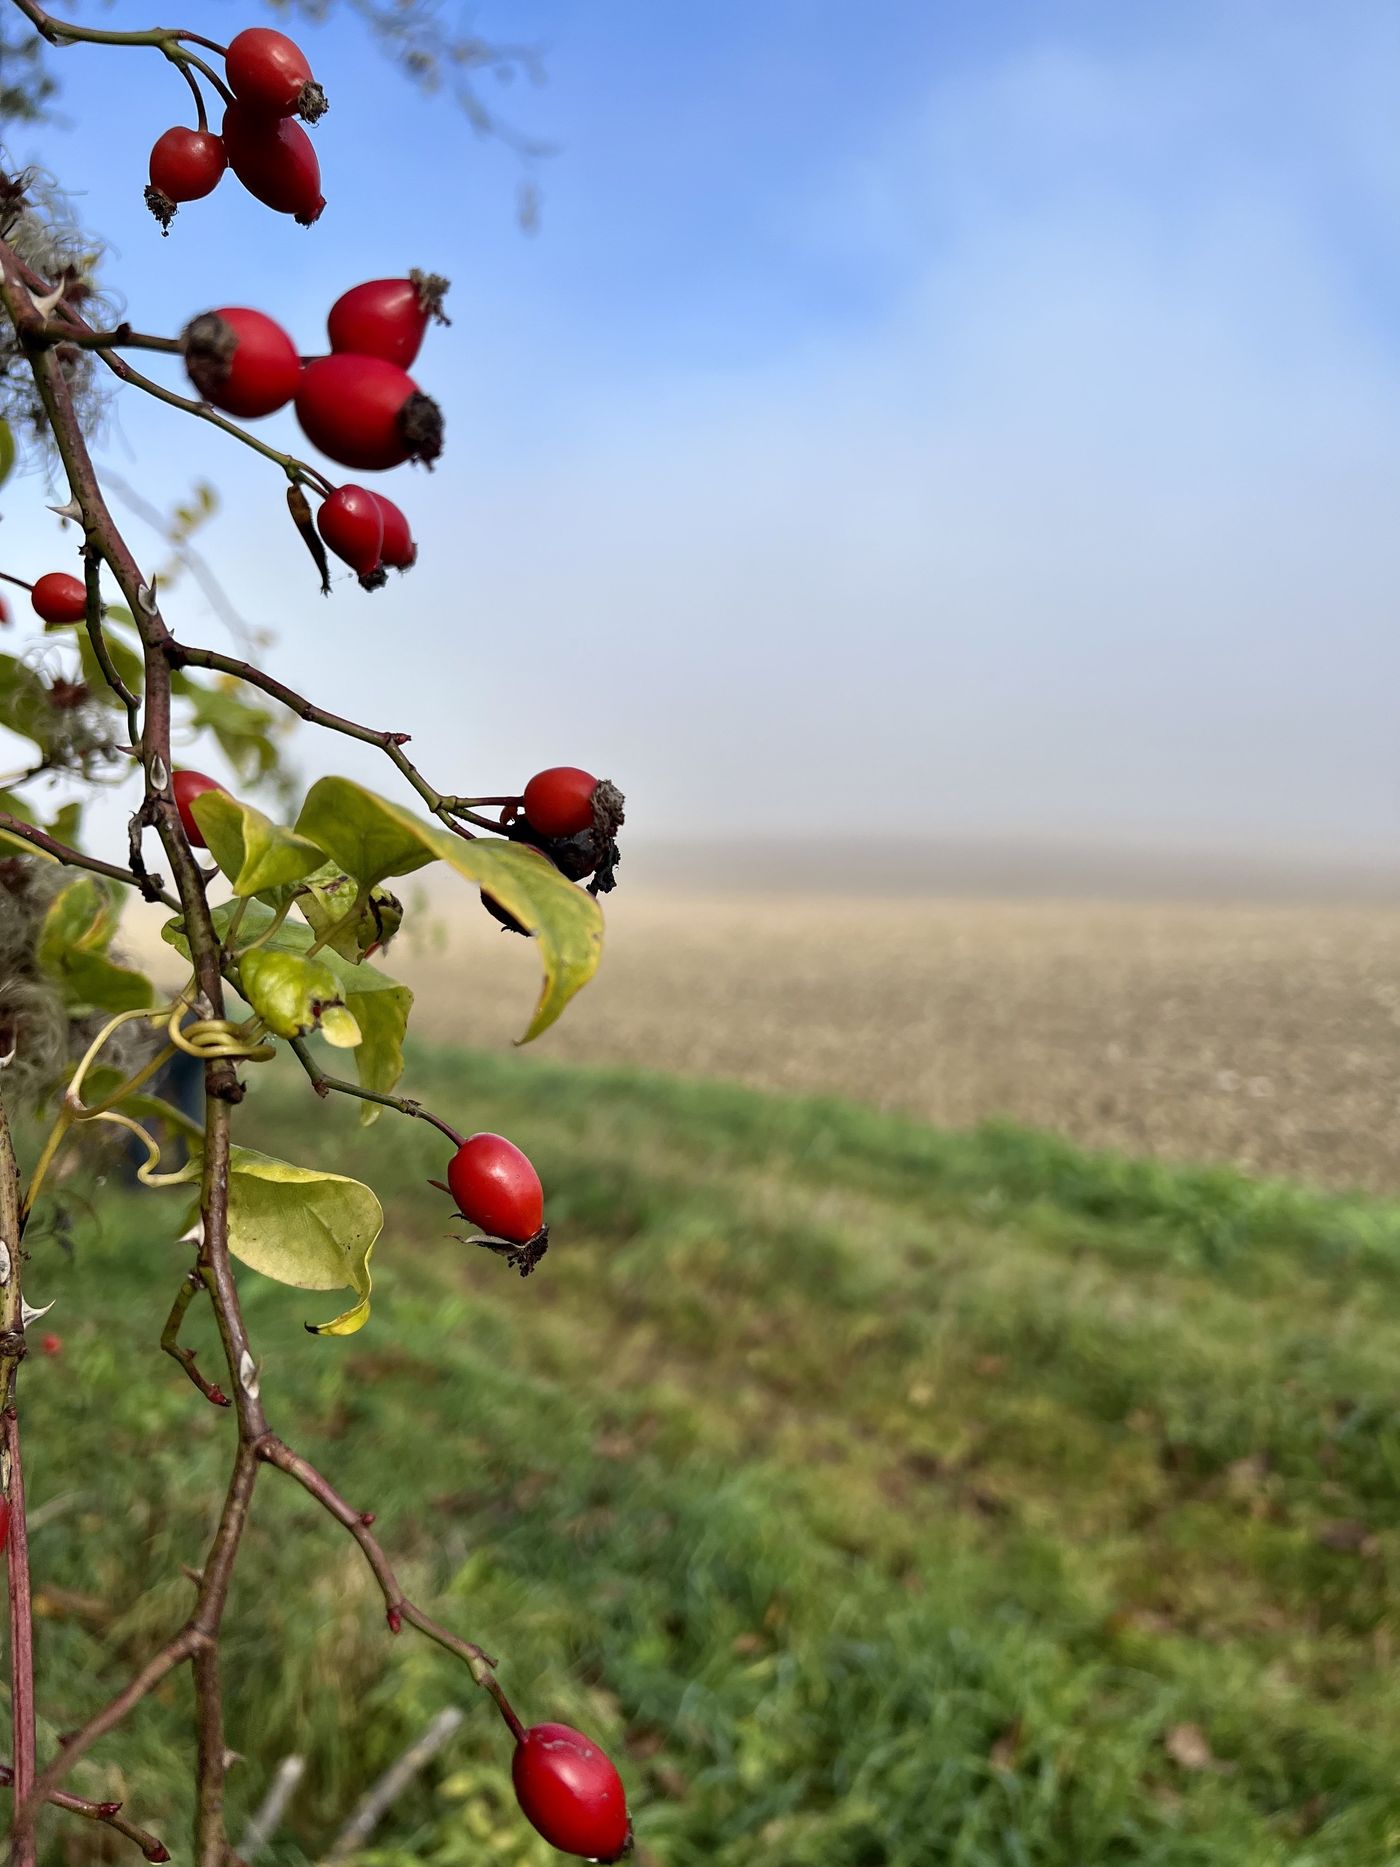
column 395, row 1620
column 367, row 1518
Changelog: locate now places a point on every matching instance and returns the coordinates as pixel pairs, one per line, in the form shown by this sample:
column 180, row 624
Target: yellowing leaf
column 293, row 996
column 255, row 853
column 301, row 1226
column 373, row 838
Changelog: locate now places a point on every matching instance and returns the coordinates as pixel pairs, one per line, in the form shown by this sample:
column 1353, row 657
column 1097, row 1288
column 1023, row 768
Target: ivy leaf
column 255, row 853
column 72, row 949
column 373, row 838
column 301, row 1226
column 293, row 996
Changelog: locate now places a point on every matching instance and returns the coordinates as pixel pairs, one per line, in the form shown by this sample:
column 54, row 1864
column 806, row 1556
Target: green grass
column 878, row 1497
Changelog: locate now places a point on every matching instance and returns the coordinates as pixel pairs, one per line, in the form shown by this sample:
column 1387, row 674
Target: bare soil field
column 1266, row 1036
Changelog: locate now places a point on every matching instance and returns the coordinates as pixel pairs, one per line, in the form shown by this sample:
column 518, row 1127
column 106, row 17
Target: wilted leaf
column 255, row 853
column 7, row 452
column 373, row 838
column 302, row 1226
column 293, row 996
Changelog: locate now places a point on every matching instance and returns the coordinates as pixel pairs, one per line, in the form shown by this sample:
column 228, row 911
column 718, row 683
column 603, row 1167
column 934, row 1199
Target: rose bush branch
column 108, row 1813
column 152, row 886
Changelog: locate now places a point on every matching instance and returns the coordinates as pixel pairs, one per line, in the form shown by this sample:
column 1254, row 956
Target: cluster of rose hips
column 261, row 142
column 359, row 405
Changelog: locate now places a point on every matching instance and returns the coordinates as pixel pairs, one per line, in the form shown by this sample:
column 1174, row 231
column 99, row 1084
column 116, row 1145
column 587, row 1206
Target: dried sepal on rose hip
column 269, row 73
column 241, row 361
column 186, row 165
column 570, row 1792
column 497, row 1189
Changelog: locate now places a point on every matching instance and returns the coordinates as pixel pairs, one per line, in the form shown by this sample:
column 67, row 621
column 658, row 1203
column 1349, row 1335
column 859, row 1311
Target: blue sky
column 972, row 419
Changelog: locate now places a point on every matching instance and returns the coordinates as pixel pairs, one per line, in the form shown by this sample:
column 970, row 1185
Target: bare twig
column 323, row 1085
column 152, row 887
column 375, row 1804
column 11, row 1472
column 268, row 1818
column 108, row 1813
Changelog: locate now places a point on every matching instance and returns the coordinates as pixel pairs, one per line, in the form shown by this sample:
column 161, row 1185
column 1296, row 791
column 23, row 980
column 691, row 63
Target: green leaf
column 72, row 949
column 373, row 838
column 301, row 1226
column 369, row 837
column 379, row 1005
column 25, row 707
column 254, row 852
column 293, row 996
column 243, row 728
column 7, row 452
column 328, row 902
column 67, row 823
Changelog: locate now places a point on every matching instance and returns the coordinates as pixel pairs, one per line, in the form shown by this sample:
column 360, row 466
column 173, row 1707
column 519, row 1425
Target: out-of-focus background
column 940, row 462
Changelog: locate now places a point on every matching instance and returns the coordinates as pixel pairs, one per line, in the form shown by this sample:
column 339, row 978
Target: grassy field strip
column 880, row 1496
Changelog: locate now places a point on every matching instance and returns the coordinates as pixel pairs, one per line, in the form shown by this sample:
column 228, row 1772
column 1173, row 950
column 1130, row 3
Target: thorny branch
column 197, row 1640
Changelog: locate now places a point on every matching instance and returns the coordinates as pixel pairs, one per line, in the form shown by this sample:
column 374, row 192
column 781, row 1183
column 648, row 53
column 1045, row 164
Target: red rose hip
column 274, row 160
column 353, row 527
column 571, row 1793
column 186, row 165
column 367, row 413
column 186, row 787
column 241, row 361
column 59, row 597
column 386, row 317
column 496, row 1188
column 268, row 73
column 398, row 551
column 559, row 802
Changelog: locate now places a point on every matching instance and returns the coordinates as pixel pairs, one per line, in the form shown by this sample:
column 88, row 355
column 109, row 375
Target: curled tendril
column 146, row 1172
column 208, row 1038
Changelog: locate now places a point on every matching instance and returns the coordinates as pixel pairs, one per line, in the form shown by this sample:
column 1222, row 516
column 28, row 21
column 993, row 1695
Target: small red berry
column 268, row 72
column 367, row 413
column 241, row 362
column 496, row 1188
column 187, row 786
column 398, row 551
column 559, row 802
column 57, row 597
column 386, row 317
column 274, row 160
column 186, row 165
column 353, row 527
column 52, row 1344
column 4, row 1523
column 571, row 1793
